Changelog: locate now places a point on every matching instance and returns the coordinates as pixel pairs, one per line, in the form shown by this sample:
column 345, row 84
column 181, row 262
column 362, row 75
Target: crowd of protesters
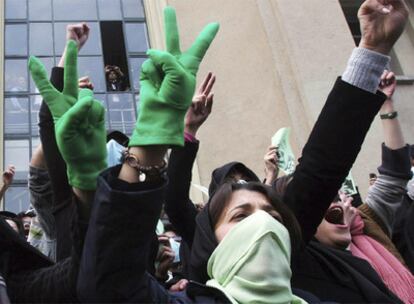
column 111, row 219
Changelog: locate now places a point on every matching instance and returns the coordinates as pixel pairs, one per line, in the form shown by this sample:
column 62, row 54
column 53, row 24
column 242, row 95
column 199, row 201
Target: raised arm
column 8, row 177
column 178, row 206
column 116, row 273
column 385, row 196
column 339, row 132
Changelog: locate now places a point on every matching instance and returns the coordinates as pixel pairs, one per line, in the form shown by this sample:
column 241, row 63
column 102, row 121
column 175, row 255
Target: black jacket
column 327, row 157
column 116, row 246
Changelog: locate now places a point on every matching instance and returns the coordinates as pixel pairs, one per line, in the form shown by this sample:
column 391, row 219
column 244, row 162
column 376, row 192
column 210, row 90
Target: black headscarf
column 204, row 238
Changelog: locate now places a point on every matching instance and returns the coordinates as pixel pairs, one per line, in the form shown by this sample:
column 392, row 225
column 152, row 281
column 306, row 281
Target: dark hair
column 221, row 200
column 281, row 183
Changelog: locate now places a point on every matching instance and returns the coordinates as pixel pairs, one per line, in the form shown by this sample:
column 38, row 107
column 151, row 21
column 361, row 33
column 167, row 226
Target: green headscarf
column 252, row 263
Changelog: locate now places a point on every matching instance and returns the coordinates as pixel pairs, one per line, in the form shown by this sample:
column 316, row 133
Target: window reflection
column 93, row 67
column 133, row 9
column 74, row 10
column 15, row 74
column 16, row 9
column 121, row 112
column 135, row 65
column 40, row 39
column 16, row 115
column 17, row 153
column 16, row 39
column 109, row 9
column 17, row 199
column 137, row 37
column 40, row 10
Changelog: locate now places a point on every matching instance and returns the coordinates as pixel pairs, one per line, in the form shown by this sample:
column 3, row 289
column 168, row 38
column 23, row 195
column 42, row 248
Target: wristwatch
column 146, row 173
column 390, row 115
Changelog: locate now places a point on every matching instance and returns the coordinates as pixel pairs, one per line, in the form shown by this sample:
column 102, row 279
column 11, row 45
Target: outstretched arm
column 178, row 206
column 385, row 196
column 346, row 117
column 117, row 273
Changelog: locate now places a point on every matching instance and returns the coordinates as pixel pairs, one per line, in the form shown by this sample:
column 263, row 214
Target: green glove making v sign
column 164, row 99
column 79, row 121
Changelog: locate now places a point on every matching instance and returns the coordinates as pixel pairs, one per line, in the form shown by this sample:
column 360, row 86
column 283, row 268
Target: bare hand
column 8, row 175
column 387, row 86
column 201, row 107
column 78, row 32
column 388, row 83
column 179, row 286
column 271, row 168
column 382, row 22
column 85, row 83
column 165, row 257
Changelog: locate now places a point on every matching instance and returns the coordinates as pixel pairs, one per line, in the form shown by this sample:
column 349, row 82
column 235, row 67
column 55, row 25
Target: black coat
column 327, row 157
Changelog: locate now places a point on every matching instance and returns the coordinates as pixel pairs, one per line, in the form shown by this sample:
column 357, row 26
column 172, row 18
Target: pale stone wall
column 275, row 63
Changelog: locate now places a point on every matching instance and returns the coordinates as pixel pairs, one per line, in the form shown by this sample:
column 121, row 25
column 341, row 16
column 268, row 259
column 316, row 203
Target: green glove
column 165, row 99
column 79, row 125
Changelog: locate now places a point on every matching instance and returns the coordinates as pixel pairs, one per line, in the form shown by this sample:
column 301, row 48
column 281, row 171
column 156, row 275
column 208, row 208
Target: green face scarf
column 252, row 263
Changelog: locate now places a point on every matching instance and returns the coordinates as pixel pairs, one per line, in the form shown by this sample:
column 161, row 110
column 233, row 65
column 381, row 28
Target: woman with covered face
column 245, row 236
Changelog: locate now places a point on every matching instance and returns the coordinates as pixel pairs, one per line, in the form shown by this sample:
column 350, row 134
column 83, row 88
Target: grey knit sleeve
column 365, row 68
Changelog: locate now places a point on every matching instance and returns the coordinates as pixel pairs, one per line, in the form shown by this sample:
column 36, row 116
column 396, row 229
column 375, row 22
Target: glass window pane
column 91, row 47
column 133, row 9
column 49, row 63
column 16, row 199
column 121, row 112
column 93, row 67
column 135, row 70
column 17, row 154
column 16, row 9
column 109, row 9
column 35, row 103
column 78, row 10
column 40, row 10
column 40, row 37
column 16, row 39
column 15, row 72
column 137, row 37
column 16, row 115
column 35, row 143
column 102, row 99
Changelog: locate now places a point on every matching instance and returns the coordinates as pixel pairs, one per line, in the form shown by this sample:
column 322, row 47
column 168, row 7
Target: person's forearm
column 148, row 156
column 393, row 136
column 3, row 191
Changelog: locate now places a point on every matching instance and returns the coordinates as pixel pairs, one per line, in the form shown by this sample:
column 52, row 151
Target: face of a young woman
column 334, row 231
column 242, row 204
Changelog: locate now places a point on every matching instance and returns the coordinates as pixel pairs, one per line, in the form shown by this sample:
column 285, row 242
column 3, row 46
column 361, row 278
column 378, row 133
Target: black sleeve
column 396, row 163
column 53, row 284
column 178, row 206
column 330, row 152
column 55, row 164
column 123, row 220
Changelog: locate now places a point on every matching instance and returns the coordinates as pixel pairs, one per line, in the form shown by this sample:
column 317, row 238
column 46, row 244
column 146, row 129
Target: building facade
column 275, row 62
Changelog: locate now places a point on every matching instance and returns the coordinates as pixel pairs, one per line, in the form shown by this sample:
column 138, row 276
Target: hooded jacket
column 344, row 121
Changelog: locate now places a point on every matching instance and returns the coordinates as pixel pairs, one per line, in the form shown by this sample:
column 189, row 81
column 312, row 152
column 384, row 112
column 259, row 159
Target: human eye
column 239, row 216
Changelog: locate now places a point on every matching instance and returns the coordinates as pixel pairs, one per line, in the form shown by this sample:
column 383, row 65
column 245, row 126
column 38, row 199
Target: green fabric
column 252, row 263
column 167, row 86
column 286, row 159
column 79, row 121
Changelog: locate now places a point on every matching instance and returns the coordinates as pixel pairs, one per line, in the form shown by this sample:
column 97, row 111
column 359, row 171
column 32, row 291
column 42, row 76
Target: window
column 16, row 40
column 38, row 27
